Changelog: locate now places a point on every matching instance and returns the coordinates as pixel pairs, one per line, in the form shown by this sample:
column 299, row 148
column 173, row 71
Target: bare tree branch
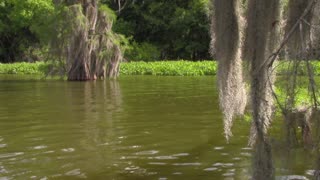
column 274, row 56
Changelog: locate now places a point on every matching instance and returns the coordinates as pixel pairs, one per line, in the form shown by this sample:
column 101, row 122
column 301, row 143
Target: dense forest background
column 152, row 30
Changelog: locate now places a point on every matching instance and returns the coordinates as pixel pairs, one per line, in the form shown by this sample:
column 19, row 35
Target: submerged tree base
column 86, row 40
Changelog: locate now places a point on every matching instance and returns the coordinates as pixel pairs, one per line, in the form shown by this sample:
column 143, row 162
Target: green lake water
column 138, row 127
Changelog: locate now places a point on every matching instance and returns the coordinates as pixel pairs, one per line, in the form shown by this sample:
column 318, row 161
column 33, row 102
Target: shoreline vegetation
column 157, row 68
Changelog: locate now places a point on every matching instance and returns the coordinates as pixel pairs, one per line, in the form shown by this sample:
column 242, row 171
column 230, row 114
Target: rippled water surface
column 132, row 128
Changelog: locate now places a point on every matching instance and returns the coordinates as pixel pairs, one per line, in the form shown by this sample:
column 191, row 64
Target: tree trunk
column 91, row 43
column 82, row 44
column 260, row 41
column 294, row 46
column 315, row 33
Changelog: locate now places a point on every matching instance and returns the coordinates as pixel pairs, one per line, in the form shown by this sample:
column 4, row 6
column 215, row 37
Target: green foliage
column 285, row 68
column 284, row 4
column 179, row 29
column 302, row 96
column 109, row 12
column 38, row 68
column 301, row 92
column 142, row 52
column 151, row 29
column 19, row 23
column 169, row 68
column 124, row 27
column 162, row 68
column 28, row 13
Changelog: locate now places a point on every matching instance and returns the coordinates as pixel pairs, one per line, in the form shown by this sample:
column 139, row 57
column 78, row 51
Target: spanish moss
column 90, row 44
column 227, row 29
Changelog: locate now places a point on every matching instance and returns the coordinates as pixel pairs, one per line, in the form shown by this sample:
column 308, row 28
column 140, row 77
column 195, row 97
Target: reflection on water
column 131, row 128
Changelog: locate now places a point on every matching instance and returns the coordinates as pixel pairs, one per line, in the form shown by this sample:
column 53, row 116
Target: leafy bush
column 22, row 25
column 38, row 68
column 142, row 52
column 285, row 67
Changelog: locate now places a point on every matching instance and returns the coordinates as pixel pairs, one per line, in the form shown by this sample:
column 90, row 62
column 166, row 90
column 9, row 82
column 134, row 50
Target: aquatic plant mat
column 157, row 68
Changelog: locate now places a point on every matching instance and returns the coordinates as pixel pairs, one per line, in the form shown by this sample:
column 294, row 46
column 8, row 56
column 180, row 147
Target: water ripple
column 48, row 152
column 181, row 154
column 151, row 173
column 67, row 165
column 223, row 164
column 135, row 170
column 39, row 147
column 56, row 175
column 211, row 169
column 3, row 145
column 76, row 172
column 151, row 152
column 73, row 172
column 164, row 157
column 68, row 150
column 228, row 174
column 134, row 147
column 157, row 163
column 3, row 170
column 104, row 144
column 246, row 154
column 247, row 148
column 163, row 178
column 131, row 168
column 187, row 164
column 218, row 148
column 236, row 158
column 9, row 155
column 291, row 177
column 310, row 172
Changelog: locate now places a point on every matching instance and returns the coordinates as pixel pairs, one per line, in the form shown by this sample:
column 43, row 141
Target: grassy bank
column 159, row 68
